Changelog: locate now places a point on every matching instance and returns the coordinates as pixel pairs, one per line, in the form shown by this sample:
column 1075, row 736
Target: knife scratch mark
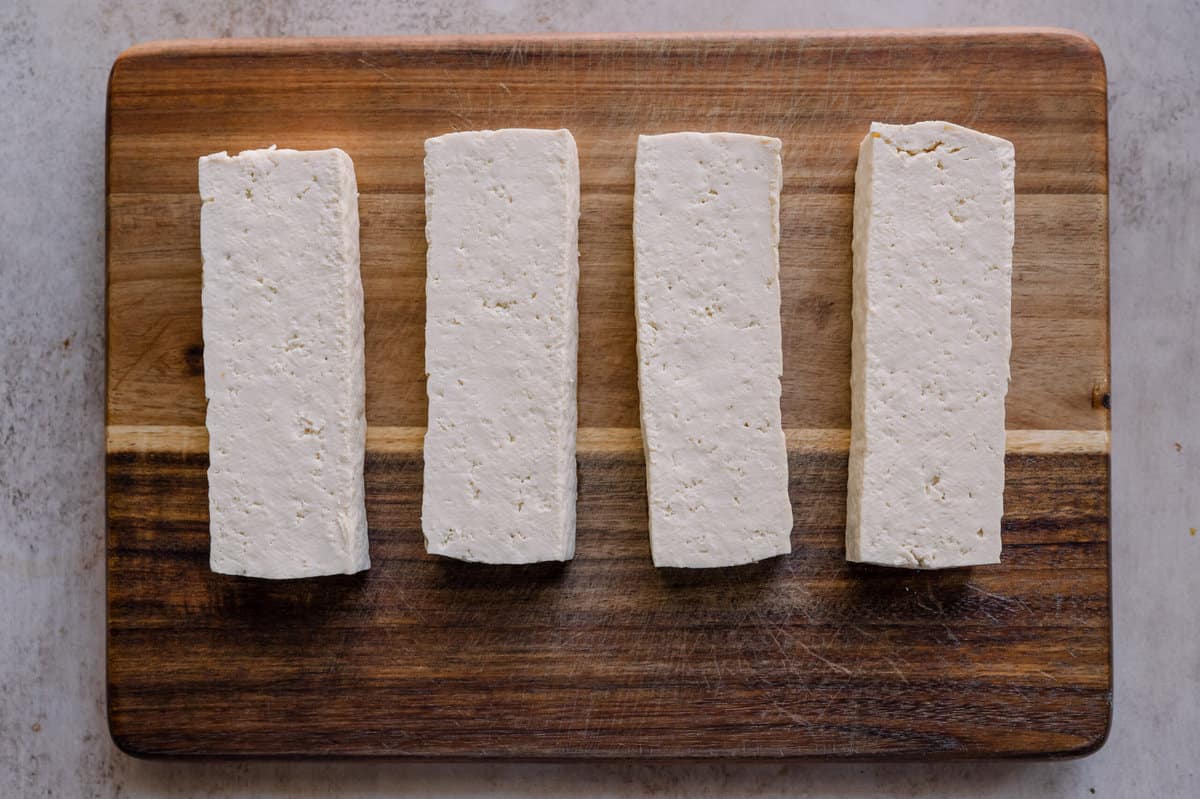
column 380, row 70
column 825, row 660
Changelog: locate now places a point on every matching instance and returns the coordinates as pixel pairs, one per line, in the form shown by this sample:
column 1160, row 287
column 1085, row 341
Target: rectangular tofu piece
column 710, row 353
column 501, row 335
column 933, row 241
column 283, row 363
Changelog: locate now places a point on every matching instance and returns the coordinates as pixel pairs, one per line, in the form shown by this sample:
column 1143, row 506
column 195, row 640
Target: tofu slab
column 710, row 354
column 933, row 240
column 501, row 333
column 283, row 363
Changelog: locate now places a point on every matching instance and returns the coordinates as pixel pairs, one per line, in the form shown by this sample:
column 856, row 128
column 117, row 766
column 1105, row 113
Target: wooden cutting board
column 802, row 656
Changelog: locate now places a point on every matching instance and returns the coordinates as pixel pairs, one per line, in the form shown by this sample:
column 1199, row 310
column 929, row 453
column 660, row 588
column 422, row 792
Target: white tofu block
column 933, row 241
column 283, row 363
column 501, row 335
column 710, row 354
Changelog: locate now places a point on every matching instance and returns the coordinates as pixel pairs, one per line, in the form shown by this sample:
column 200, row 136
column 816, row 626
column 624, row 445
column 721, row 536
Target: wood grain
column 804, row 656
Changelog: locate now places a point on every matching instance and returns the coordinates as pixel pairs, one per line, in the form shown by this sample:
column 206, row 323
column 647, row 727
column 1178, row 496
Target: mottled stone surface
column 54, row 61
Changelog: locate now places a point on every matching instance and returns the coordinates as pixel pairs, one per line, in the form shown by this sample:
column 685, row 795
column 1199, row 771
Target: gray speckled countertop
column 54, row 61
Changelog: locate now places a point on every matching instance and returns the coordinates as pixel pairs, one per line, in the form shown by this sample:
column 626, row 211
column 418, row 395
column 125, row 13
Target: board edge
column 158, row 48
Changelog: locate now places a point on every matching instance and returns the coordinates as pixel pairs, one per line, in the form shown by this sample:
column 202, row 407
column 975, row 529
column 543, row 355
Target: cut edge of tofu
column 858, row 343
column 571, row 361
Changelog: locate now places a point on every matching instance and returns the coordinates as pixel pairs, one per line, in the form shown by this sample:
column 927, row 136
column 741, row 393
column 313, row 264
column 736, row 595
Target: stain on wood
column 605, row 657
